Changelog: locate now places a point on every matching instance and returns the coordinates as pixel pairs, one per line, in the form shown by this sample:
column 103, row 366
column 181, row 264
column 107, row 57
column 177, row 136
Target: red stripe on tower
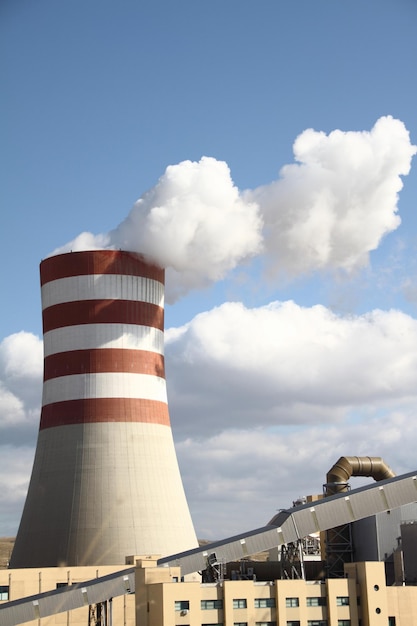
column 98, row 262
column 99, row 361
column 96, row 410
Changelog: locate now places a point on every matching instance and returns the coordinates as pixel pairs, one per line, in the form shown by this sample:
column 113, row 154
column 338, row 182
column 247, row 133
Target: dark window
column 4, row 592
column 292, row 602
column 316, row 601
column 264, row 603
column 342, row 600
column 211, row 604
column 239, row 603
column 182, row 605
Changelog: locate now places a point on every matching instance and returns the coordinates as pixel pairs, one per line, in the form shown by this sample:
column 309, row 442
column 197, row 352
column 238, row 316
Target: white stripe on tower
column 114, row 287
column 92, row 336
column 105, row 482
column 105, row 385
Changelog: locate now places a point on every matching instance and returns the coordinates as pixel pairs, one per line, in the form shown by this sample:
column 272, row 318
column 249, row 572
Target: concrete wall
column 360, row 598
column 31, row 581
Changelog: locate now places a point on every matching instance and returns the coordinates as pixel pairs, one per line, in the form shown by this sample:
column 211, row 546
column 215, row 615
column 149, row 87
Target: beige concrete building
column 161, row 599
column 19, row 583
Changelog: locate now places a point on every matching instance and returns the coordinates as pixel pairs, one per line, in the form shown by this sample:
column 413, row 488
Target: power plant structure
column 106, row 535
column 105, row 481
column 152, row 591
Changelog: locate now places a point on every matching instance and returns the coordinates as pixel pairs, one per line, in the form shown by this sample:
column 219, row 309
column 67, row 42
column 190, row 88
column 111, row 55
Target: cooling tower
column 105, row 481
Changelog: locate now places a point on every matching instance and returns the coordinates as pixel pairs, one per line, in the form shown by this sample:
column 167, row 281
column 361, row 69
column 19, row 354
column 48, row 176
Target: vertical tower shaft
column 105, row 481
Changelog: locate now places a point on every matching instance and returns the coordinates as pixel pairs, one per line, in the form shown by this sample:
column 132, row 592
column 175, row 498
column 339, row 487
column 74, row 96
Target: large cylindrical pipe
column 347, row 466
column 339, row 547
column 105, row 482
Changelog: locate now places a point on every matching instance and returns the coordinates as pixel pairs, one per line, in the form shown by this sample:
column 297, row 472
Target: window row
column 316, row 601
column 256, row 624
column 241, row 603
column 264, row 603
column 238, row 603
column 211, row 604
column 184, row 605
column 315, row 622
column 319, row 622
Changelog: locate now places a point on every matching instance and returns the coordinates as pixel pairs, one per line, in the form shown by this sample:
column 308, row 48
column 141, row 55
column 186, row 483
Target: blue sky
column 99, row 98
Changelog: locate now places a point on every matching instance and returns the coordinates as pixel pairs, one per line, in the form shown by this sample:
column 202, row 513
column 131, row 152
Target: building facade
column 162, row 599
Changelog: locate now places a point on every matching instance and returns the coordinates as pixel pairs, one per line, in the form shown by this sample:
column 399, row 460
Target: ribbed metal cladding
column 68, row 598
column 105, row 481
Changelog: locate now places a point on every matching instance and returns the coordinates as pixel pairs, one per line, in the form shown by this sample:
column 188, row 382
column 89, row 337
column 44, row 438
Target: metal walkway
column 287, row 526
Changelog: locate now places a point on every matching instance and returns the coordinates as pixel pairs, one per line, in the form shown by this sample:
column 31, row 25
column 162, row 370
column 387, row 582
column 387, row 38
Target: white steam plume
column 193, row 222
column 326, row 211
column 333, row 206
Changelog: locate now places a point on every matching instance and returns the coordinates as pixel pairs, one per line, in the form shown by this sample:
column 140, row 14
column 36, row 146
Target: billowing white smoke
column 333, row 206
column 193, row 222
column 327, row 210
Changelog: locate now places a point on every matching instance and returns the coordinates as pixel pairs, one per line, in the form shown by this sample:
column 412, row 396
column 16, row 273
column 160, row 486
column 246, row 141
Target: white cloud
column 12, row 408
column 263, row 401
column 14, row 479
column 21, row 366
column 285, row 364
column 238, row 479
column 21, row 356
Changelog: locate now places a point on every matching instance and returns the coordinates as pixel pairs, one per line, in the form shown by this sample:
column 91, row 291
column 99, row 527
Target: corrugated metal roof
column 293, row 524
column 285, row 527
column 68, row 598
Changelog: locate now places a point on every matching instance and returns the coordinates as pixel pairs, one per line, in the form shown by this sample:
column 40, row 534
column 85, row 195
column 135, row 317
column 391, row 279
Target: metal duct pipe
column 339, row 547
column 347, row 466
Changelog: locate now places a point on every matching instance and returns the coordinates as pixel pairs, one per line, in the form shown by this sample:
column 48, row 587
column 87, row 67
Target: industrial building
column 106, row 536
column 361, row 598
column 170, row 591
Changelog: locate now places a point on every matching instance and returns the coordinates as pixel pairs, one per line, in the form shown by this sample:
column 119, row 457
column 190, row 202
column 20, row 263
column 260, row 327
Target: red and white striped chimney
column 105, row 481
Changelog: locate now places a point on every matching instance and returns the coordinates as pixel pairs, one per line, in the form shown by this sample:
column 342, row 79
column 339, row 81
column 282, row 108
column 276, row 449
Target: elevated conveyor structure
column 289, row 525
